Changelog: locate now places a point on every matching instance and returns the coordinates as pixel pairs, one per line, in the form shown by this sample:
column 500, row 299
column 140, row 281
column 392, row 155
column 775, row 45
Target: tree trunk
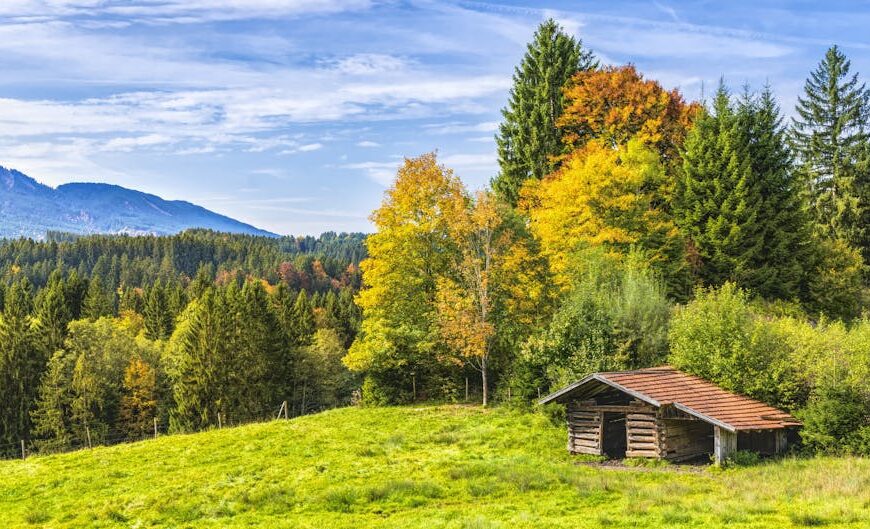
column 483, row 381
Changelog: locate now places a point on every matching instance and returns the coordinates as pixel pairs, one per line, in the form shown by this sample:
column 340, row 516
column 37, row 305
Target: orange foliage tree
column 616, row 103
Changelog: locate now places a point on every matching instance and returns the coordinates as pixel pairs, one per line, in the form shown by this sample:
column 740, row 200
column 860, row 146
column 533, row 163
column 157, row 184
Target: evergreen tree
column 53, row 314
column 302, row 324
column 528, row 138
column 22, row 361
column 98, row 301
column 717, row 199
column 158, row 316
column 52, row 414
column 778, row 269
column 829, row 135
column 199, row 362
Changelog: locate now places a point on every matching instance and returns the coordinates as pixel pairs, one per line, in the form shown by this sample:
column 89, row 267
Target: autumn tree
column 528, row 139
column 608, row 197
column 464, row 299
column 139, row 398
column 616, row 104
column 410, row 250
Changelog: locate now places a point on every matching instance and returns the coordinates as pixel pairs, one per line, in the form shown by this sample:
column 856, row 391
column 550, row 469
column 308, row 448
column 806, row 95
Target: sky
column 293, row 115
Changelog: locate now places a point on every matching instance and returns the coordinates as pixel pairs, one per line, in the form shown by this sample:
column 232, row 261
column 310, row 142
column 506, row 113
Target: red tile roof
column 662, row 386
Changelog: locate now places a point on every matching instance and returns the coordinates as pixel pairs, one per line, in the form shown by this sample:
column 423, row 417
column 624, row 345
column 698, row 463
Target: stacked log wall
column 644, row 435
column 584, row 430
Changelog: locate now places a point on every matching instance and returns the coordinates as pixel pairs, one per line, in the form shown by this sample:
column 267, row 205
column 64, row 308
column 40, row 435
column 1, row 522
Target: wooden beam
column 724, row 443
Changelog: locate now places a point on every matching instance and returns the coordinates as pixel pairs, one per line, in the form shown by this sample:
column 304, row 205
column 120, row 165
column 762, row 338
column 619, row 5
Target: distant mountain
column 29, row 209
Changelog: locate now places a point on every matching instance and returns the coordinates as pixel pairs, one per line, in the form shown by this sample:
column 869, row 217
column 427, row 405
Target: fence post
column 466, row 389
column 219, row 421
column 88, row 434
column 23, row 451
column 285, row 410
column 414, row 385
column 539, row 393
column 155, row 427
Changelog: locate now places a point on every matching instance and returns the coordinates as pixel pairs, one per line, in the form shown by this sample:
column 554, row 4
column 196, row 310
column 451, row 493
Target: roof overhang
column 565, row 393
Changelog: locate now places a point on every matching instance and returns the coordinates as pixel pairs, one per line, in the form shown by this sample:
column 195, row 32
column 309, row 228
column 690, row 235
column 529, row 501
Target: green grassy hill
column 433, row 467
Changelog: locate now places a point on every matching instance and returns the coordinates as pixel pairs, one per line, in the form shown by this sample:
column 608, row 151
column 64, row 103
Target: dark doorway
column 615, row 440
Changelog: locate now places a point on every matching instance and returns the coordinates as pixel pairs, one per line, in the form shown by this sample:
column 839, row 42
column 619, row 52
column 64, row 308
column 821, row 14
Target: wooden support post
column 23, row 451
column 724, row 443
column 539, row 393
column 286, row 415
column 781, row 441
column 466, row 389
column 414, row 385
column 509, row 393
column 88, row 434
column 219, row 421
column 155, row 427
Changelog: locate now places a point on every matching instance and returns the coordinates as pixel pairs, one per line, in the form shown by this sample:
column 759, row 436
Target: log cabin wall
column 584, row 429
column 644, row 435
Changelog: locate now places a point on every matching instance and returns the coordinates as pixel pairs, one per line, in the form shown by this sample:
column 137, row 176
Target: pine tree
column 528, row 137
column 778, row 269
column 717, row 199
column 52, row 414
column 158, row 315
column 98, row 301
column 53, row 314
column 829, row 134
column 22, row 361
column 302, row 324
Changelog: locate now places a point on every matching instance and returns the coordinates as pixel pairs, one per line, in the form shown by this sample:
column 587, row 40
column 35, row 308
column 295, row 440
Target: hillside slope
column 434, row 467
column 29, row 208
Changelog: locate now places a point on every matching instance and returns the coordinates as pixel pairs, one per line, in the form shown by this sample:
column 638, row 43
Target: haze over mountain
column 29, row 209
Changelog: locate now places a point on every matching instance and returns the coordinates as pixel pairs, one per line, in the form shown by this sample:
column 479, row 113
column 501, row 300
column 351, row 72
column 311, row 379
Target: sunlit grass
column 435, row 467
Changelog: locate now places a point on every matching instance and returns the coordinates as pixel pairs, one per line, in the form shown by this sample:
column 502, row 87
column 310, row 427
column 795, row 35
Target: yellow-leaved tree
column 464, row 298
column 609, row 197
column 410, row 250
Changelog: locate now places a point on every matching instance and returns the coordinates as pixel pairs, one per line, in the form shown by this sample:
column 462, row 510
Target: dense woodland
column 627, row 227
column 100, row 335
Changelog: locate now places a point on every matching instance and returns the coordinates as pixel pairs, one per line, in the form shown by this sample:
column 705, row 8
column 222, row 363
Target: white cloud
column 458, row 127
column 177, row 10
column 367, row 64
column 368, row 144
column 382, row 173
column 310, row 147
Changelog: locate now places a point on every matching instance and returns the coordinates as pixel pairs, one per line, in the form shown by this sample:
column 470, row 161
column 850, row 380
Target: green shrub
column 743, row 458
column 836, row 419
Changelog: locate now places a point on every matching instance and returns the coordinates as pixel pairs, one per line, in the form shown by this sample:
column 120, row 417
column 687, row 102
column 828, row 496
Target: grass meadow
column 455, row 467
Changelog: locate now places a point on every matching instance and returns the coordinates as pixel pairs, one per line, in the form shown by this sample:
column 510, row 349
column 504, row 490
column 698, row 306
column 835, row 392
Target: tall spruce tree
column 829, row 135
column 99, row 301
column 528, row 137
column 715, row 201
column 158, row 315
column 22, row 361
column 778, row 269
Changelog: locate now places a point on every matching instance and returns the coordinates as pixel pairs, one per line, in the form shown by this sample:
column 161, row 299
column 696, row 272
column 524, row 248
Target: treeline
column 627, row 228
column 120, row 333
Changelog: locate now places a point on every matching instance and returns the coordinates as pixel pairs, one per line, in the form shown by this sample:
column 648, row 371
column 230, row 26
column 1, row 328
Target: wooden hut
column 664, row 413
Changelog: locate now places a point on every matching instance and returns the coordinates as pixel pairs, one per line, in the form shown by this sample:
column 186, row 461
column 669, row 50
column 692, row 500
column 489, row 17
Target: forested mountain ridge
column 30, row 209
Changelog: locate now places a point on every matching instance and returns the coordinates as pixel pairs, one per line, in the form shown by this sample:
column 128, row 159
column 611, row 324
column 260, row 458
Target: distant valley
column 30, row 209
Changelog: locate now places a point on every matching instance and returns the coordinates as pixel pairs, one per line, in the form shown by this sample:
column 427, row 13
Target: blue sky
column 294, row 114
